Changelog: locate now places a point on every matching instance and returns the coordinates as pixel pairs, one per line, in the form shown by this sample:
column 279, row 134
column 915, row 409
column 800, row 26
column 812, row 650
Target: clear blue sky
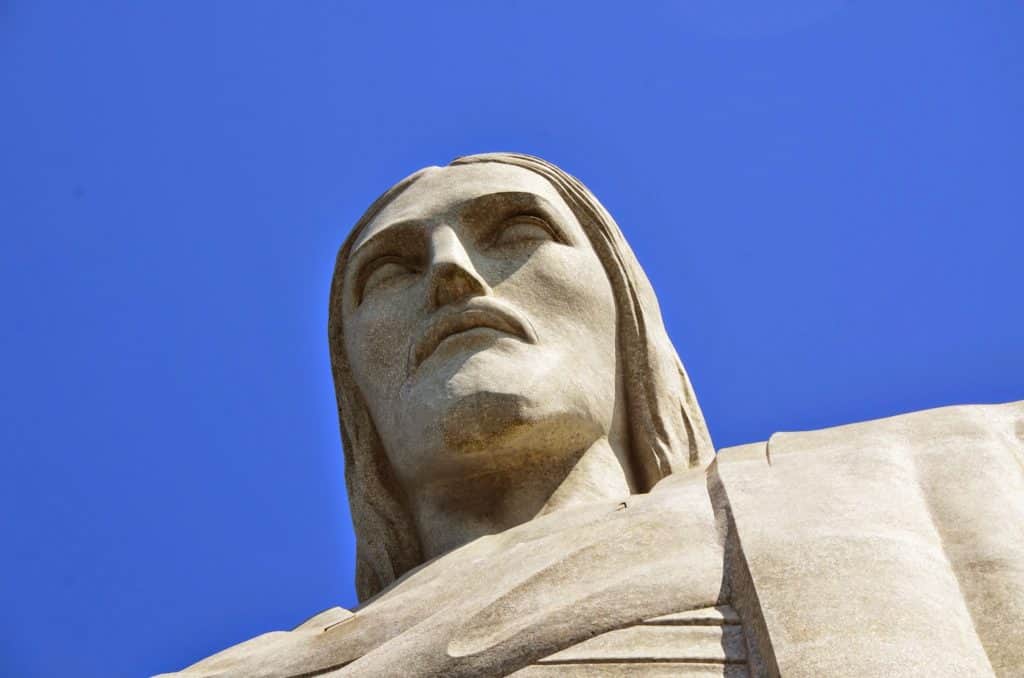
column 828, row 198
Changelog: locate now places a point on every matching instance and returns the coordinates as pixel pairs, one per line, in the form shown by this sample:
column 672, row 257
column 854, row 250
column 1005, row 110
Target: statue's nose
column 452, row 274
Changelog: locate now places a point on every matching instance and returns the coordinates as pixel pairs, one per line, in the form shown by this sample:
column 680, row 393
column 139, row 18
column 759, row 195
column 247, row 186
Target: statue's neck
column 449, row 515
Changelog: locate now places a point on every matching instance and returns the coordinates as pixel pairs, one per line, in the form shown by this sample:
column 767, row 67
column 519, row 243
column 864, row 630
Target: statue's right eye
column 522, row 229
column 384, row 274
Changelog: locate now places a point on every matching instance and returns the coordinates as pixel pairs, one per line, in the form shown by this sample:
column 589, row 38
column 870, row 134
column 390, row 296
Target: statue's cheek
column 567, row 282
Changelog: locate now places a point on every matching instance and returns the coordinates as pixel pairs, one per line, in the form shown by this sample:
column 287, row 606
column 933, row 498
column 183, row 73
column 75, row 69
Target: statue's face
column 479, row 324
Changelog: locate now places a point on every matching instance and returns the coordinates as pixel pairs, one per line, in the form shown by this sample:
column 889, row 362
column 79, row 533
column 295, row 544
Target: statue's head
column 485, row 316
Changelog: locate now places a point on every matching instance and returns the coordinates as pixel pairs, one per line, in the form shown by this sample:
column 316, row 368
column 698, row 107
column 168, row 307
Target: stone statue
column 535, row 492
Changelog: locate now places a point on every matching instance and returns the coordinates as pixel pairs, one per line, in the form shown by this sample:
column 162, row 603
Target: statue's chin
column 491, row 431
column 491, row 409
column 484, row 418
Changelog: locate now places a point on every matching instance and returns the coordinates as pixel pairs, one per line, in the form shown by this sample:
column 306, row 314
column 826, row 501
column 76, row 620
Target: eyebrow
column 474, row 208
column 387, row 233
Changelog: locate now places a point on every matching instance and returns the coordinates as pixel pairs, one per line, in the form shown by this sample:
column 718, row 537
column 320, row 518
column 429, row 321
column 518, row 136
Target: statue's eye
column 385, row 273
column 522, row 229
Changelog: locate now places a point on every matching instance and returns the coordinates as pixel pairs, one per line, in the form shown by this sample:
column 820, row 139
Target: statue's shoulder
column 969, row 427
column 909, row 528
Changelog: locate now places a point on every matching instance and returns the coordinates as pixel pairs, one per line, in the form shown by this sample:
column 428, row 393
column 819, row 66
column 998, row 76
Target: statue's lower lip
column 461, row 333
column 423, row 356
column 463, row 322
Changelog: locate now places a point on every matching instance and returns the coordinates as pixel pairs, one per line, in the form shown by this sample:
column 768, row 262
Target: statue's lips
column 472, row 316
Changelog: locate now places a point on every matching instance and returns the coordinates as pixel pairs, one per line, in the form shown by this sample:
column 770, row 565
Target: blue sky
column 827, row 198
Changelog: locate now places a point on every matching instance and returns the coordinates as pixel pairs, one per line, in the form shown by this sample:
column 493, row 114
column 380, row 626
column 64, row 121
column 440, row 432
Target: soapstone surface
column 535, row 493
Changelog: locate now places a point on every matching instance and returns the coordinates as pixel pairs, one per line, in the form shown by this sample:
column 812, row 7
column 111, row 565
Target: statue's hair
column 667, row 429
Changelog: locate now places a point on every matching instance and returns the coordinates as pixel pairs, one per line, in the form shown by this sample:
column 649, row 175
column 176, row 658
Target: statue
column 535, row 492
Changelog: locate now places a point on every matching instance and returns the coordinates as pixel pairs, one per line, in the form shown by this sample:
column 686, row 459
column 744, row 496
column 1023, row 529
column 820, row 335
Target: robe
column 892, row 547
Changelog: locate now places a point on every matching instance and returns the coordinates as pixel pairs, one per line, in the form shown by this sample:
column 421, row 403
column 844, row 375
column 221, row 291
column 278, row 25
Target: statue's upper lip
column 479, row 312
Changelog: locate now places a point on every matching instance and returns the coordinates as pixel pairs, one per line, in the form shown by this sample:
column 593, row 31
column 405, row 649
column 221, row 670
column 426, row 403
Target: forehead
column 440, row 191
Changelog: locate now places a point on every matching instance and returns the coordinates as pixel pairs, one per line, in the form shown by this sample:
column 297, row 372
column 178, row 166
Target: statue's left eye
column 522, row 229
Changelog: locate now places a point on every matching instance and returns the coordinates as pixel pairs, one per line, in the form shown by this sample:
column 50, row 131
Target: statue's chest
column 630, row 590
